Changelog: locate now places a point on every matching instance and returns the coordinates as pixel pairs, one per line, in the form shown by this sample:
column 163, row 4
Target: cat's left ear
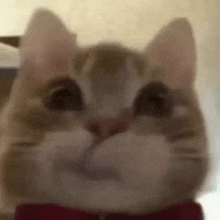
column 173, row 52
column 47, row 47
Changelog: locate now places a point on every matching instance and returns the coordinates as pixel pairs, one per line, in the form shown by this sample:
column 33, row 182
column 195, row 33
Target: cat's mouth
column 84, row 169
column 94, row 174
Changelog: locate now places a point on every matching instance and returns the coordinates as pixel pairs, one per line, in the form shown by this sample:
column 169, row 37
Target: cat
column 103, row 128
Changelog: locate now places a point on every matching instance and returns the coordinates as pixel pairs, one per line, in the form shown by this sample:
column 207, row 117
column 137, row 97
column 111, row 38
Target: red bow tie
column 189, row 211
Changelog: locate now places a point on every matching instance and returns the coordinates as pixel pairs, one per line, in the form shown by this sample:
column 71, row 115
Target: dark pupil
column 65, row 98
column 154, row 100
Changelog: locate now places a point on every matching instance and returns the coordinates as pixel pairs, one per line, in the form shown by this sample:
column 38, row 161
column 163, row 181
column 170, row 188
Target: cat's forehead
column 107, row 59
column 110, row 70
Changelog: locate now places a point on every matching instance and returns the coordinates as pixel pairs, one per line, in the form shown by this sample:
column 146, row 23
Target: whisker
column 185, row 150
column 193, row 159
column 182, row 135
column 23, row 144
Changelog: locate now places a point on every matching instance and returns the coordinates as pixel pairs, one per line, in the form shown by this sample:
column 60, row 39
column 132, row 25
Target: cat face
column 103, row 128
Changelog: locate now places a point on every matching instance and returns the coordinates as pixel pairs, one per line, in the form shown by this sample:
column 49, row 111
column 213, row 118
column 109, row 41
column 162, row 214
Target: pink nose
column 110, row 126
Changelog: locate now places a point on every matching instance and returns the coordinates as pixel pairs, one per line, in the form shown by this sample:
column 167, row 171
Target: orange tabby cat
column 104, row 128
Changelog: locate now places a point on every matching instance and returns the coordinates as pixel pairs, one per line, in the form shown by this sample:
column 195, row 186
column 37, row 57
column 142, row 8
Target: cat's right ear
column 47, row 47
column 173, row 53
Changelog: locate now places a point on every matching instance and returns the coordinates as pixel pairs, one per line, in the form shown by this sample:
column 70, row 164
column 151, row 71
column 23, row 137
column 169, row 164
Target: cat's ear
column 47, row 47
column 173, row 52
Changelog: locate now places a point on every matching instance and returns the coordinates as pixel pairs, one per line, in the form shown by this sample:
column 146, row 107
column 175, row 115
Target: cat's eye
column 66, row 96
column 155, row 100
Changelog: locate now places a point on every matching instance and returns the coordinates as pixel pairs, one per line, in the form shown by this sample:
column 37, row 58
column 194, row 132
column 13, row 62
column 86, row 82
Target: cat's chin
column 72, row 180
column 99, row 174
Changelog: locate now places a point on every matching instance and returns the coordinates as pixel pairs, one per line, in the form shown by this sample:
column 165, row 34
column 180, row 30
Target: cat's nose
column 107, row 127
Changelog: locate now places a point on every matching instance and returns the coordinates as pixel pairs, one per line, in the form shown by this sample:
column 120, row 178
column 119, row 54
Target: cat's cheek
column 69, row 144
column 137, row 159
column 59, row 149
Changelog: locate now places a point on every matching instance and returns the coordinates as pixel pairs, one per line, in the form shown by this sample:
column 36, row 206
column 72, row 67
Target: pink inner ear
column 173, row 49
column 47, row 46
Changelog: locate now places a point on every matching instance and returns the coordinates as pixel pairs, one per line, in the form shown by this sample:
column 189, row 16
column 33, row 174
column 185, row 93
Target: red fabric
column 189, row 211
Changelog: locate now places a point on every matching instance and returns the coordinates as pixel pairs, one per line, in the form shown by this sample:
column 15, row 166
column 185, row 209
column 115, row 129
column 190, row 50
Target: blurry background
column 135, row 23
